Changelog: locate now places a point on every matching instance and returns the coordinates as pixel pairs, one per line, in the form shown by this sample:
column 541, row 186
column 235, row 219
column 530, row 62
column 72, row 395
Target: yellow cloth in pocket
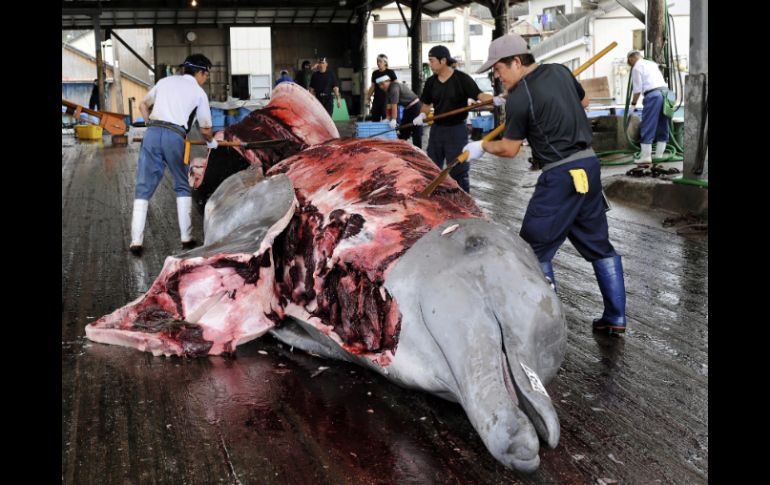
column 580, row 179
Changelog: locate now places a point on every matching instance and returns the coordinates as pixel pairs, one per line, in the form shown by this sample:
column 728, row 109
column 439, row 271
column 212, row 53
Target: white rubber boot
column 660, row 149
column 137, row 224
column 183, row 206
column 645, row 157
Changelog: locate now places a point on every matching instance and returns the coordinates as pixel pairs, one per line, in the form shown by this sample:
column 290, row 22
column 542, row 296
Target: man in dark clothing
column 445, row 91
column 303, row 76
column 399, row 94
column 545, row 106
column 378, row 104
column 93, row 103
column 323, row 84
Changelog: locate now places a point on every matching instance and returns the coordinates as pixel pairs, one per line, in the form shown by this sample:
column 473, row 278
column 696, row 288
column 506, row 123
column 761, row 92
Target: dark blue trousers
column 416, row 131
column 444, row 145
column 654, row 126
column 557, row 211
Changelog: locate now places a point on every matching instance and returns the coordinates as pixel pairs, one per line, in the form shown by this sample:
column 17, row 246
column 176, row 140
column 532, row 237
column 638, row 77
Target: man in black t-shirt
column 546, row 106
column 447, row 90
column 323, row 84
column 378, row 104
column 303, row 76
column 93, row 102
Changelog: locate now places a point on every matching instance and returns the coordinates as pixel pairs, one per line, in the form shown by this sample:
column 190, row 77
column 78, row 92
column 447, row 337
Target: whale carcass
column 333, row 250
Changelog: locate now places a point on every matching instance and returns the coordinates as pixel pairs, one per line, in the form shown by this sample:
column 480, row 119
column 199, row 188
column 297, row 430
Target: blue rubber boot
column 548, row 271
column 609, row 275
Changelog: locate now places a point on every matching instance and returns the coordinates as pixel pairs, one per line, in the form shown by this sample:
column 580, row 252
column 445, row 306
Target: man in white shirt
column 169, row 108
column 648, row 80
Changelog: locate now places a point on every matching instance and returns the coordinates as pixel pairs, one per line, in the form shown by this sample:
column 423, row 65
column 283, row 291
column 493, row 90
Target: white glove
column 498, row 101
column 419, row 120
column 475, row 150
column 393, row 124
column 212, row 144
column 471, row 101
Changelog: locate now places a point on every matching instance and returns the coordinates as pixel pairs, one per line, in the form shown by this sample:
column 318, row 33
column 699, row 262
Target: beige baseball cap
column 505, row 46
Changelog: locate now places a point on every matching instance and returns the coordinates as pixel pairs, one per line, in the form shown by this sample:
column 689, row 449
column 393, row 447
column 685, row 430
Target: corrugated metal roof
column 149, row 13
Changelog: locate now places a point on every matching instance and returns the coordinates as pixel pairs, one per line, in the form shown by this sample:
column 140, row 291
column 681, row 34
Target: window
column 552, row 18
column 572, row 64
column 639, row 39
column 554, row 10
column 438, row 31
column 389, row 29
column 396, row 30
column 475, row 29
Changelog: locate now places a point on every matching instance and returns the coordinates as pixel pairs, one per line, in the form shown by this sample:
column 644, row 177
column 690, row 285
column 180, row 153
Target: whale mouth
column 526, row 465
column 528, row 393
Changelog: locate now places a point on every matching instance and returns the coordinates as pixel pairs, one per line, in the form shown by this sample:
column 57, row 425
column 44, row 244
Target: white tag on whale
column 534, row 381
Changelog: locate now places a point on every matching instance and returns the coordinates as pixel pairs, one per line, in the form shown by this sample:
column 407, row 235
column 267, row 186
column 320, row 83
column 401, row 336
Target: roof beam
column 115, row 35
column 406, row 24
column 633, row 10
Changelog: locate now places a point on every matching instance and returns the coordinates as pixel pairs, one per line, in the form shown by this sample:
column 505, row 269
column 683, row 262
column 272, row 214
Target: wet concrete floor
column 632, row 410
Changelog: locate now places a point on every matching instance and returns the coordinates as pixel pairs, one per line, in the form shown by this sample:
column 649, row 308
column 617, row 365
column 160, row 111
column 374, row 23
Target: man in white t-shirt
column 168, row 109
column 647, row 79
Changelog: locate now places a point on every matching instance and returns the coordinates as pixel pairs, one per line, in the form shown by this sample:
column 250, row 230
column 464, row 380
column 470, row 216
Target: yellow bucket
column 88, row 132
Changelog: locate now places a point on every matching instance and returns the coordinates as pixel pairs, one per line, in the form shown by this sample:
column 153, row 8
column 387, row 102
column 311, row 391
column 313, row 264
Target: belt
column 179, row 130
column 414, row 101
column 588, row 152
column 655, row 89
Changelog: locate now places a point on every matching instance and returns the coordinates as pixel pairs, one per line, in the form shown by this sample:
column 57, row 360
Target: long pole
column 429, row 121
column 497, row 131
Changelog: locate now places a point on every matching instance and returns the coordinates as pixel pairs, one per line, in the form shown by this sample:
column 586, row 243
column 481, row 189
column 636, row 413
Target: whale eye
column 474, row 243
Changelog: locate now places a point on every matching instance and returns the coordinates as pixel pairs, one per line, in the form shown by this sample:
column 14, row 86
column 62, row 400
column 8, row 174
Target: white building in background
column 574, row 44
column 467, row 38
column 251, row 58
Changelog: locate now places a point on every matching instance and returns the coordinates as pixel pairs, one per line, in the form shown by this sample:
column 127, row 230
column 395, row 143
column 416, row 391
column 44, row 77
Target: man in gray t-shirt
column 546, row 106
column 399, row 94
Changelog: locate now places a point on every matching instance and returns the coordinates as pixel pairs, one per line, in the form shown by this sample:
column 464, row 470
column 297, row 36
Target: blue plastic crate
column 230, row 120
column 87, row 118
column 365, row 129
column 485, row 122
column 217, row 117
column 243, row 113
